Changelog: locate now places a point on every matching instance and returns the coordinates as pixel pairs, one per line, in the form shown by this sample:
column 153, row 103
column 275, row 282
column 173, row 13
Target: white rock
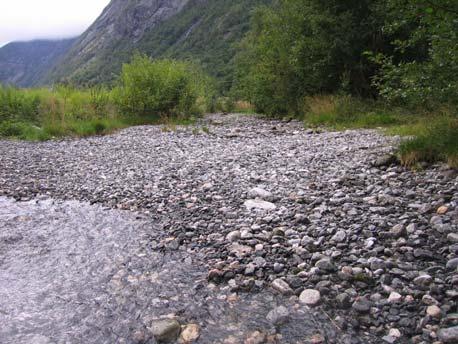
column 394, row 297
column 233, row 236
column 394, row 332
column 259, row 193
column 259, row 204
column 282, row 286
column 310, row 297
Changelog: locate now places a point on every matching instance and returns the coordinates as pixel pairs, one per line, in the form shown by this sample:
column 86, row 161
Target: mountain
column 204, row 31
column 26, row 64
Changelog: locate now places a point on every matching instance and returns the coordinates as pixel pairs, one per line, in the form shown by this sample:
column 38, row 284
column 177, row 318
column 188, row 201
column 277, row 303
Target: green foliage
column 306, row 47
column 162, row 88
column 18, row 105
column 424, row 68
column 148, row 92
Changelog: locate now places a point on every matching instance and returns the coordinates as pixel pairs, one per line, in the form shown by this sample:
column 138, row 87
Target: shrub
column 160, row 88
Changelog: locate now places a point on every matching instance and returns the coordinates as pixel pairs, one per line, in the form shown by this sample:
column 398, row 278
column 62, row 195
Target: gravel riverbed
column 296, row 229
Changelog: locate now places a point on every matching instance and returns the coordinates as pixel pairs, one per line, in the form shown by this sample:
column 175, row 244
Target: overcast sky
column 23, row 20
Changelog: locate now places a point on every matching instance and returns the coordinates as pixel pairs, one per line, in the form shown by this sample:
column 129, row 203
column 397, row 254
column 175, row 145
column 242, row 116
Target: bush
column 159, row 88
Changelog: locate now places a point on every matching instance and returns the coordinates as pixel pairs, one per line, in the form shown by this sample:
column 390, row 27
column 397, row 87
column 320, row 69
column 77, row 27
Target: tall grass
column 341, row 112
column 41, row 114
column 429, row 136
column 147, row 92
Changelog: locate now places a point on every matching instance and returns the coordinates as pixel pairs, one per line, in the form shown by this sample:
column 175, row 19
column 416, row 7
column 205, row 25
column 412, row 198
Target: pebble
column 434, row 311
column 452, row 264
column 190, row 333
column 166, row 330
column 448, row 335
column 362, row 305
column 442, row 210
column 260, row 193
column 233, row 236
column 340, row 236
column 259, row 204
column 452, row 237
column 310, row 297
column 423, row 280
column 282, row 287
column 395, row 297
column 398, row 231
column 278, row 316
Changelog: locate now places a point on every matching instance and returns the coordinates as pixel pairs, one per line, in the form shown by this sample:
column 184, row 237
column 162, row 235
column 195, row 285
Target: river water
column 71, row 272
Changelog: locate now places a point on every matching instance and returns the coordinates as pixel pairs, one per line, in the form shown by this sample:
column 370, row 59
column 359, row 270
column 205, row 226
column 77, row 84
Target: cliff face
column 204, row 31
column 105, row 44
column 25, row 64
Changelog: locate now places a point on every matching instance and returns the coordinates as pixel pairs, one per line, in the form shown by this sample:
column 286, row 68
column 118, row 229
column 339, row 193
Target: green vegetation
column 163, row 87
column 381, row 63
column 149, row 91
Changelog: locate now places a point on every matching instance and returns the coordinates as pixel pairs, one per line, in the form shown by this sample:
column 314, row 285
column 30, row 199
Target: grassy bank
column 429, row 136
column 148, row 92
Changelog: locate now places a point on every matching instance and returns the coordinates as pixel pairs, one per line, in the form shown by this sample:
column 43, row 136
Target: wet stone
column 190, row 333
column 310, row 297
column 282, row 287
column 165, row 331
column 278, row 316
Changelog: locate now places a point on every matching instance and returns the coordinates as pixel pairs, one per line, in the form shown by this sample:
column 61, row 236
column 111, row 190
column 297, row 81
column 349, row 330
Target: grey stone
column 452, row 237
column 340, row 236
column 325, row 264
column 166, row 330
column 278, row 316
column 448, row 335
column 362, row 305
column 398, row 231
column 233, row 236
column 260, row 193
column 452, row 264
column 282, row 287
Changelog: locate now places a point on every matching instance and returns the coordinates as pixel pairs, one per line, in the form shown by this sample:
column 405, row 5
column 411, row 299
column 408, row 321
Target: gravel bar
column 311, row 220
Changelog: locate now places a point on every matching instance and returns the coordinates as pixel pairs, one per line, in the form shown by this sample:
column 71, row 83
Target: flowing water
column 71, row 272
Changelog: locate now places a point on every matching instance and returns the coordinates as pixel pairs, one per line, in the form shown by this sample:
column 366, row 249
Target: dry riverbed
column 251, row 231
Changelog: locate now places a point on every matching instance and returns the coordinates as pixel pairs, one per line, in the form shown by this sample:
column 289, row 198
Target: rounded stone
column 166, row 330
column 190, row 333
column 310, row 297
column 433, row 311
column 362, row 305
column 394, row 297
column 442, row 210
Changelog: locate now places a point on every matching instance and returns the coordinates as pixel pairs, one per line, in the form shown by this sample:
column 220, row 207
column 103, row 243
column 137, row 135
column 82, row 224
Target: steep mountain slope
column 97, row 52
column 26, row 63
column 204, row 31
column 200, row 30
